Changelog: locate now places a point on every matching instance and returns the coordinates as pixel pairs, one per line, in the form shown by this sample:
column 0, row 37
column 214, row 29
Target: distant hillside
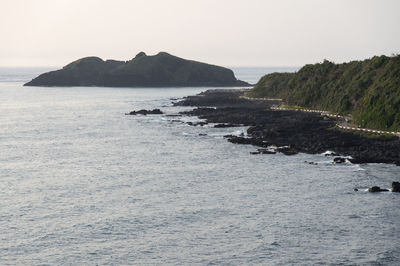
column 369, row 89
column 161, row 70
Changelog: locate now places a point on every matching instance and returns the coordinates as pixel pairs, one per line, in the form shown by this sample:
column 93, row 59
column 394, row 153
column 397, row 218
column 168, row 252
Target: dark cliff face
column 161, row 70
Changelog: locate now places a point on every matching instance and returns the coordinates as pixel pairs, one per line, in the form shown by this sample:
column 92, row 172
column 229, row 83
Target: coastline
column 297, row 131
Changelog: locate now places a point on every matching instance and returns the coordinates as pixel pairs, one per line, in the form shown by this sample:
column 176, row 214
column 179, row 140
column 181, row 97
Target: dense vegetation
column 161, row 70
column 369, row 90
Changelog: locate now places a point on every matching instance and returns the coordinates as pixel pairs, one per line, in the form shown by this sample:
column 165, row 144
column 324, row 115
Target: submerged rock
column 146, row 112
column 223, row 125
column 339, row 160
column 332, row 154
column 266, row 151
column 197, row 124
column 287, row 151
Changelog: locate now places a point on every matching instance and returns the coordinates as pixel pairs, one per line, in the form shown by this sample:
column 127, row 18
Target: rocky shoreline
column 296, row 131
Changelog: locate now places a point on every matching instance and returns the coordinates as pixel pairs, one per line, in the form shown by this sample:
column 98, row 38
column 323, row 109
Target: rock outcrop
column 146, row 112
column 377, row 189
column 396, row 187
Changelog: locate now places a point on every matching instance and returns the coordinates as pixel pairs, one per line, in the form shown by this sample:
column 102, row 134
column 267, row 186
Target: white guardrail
column 260, row 99
column 339, row 116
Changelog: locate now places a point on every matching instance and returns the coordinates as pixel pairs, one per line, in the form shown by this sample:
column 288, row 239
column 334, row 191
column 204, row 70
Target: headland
column 296, row 131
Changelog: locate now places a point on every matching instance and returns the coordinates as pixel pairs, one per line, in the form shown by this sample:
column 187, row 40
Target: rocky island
column 161, row 70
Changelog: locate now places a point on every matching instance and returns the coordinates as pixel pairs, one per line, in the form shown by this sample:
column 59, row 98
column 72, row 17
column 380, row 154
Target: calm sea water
column 81, row 183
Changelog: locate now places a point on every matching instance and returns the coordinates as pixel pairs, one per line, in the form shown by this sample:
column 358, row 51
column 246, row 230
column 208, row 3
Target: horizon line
column 233, row 66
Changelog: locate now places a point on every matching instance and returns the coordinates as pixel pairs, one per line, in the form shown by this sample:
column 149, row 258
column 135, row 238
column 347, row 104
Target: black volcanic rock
column 339, row 160
column 301, row 131
column 377, row 189
column 146, row 112
column 225, row 98
column 223, row 125
column 396, row 187
column 161, row 70
column 287, row 151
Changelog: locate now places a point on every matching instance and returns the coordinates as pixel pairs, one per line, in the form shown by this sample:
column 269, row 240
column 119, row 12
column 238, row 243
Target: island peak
column 140, row 54
column 84, row 60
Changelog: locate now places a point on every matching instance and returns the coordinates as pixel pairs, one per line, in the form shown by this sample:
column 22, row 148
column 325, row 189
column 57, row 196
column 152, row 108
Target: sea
column 81, row 183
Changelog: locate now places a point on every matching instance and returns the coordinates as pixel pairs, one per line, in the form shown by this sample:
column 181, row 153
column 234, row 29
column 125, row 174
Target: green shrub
column 369, row 89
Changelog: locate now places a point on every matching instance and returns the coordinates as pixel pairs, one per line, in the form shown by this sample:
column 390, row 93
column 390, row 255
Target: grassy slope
column 369, row 89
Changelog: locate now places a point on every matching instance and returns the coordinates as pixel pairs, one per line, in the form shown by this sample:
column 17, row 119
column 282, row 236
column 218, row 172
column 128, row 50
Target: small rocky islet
column 160, row 70
column 146, row 112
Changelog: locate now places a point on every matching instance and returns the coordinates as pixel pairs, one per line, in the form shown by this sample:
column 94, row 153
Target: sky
column 222, row 32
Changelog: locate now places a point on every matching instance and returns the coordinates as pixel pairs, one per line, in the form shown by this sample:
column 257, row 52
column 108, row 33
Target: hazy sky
column 223, row 32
